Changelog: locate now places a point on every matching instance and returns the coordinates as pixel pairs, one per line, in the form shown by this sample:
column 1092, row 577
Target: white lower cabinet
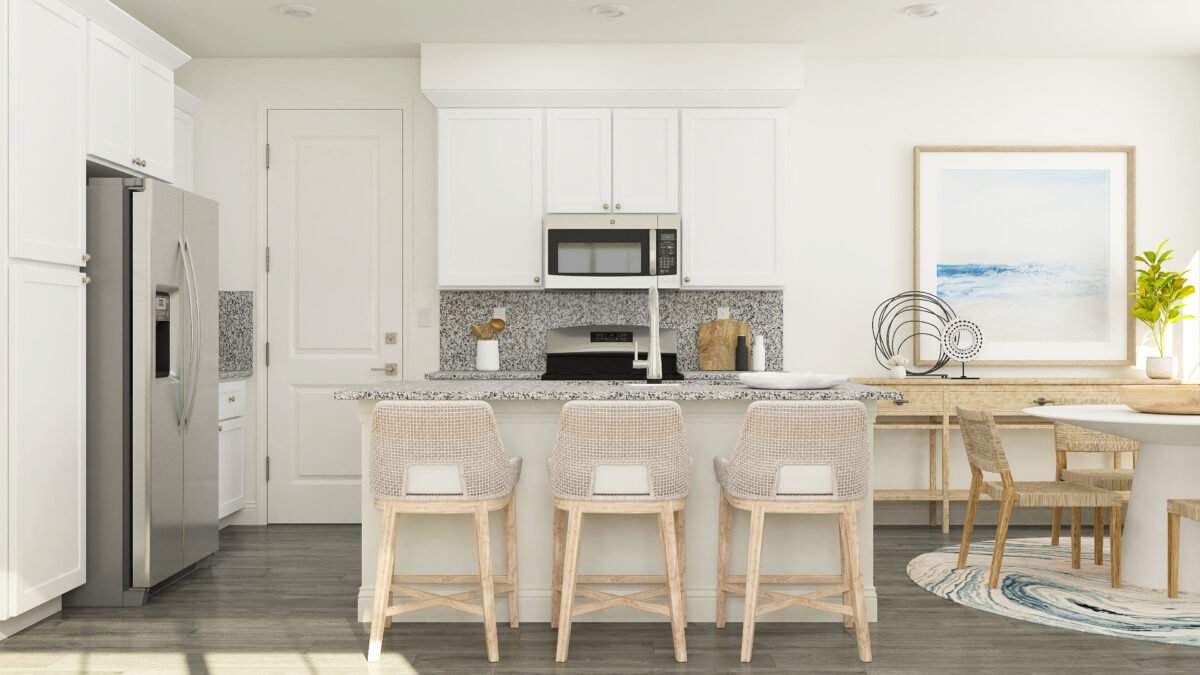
column 231, row 448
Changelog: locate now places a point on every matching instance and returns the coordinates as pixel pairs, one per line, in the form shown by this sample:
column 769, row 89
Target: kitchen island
column 527, row 413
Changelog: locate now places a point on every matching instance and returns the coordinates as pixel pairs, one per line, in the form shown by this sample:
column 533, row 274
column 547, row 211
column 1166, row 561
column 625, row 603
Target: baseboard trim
column 16, row 624
column 535, row 607
column 246, row 516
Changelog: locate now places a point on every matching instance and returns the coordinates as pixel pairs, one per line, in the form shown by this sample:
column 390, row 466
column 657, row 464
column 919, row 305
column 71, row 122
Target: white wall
column 852, row 133
column 229, row 162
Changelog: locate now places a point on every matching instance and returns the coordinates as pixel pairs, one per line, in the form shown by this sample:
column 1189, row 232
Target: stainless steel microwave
column 611, row 251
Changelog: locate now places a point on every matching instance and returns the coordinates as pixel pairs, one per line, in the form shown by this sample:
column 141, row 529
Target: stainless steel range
column 606, row 352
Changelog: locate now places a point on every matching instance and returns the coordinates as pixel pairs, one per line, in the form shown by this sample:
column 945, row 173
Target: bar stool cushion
column 438, row 450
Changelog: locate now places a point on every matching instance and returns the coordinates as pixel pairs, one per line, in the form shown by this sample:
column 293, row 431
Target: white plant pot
column 487, row 355
column 1160, row 367
column 898, row 372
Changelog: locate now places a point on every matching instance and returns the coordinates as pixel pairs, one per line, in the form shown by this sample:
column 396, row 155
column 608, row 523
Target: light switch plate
column 424, row 317
column 500, row 313
column 722, row 312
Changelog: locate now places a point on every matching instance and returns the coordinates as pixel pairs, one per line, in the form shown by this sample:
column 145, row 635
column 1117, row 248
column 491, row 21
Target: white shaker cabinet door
column 489, row 198
column 733, row 197
column 154, row 119
column 231, row 466
column 111, row 65
column 645, row 160
column 47, row 52
column 184, row 152
column 579, row 160
column 45, row 490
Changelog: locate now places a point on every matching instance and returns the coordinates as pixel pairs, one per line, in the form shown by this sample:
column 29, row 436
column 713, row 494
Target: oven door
column 600, row 258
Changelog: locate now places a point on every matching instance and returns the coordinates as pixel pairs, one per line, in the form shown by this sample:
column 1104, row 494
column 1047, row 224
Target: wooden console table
column 929, row 404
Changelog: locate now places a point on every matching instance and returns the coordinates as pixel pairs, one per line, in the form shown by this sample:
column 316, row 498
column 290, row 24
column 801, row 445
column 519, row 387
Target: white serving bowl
column 791, row 380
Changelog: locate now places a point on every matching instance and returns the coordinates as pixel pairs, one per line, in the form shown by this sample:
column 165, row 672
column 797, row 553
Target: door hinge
column 267, row 354
column 268, row 155
column 268, row 471
column 268, row 258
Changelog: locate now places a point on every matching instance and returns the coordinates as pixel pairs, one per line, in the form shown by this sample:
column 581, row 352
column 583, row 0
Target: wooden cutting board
column 718, row 343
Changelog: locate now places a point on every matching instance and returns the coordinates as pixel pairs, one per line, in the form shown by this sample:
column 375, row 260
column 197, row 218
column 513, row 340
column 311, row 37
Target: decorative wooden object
column 985, row 453
column 849, row 584
column 489, row 583
column 568, row 529
column 1187, row 508
column 929, row 404
column 718, row 343
column 1178, row 400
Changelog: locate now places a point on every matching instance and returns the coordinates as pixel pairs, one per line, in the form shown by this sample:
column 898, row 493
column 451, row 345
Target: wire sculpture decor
column 962, row 339
column 907, row 316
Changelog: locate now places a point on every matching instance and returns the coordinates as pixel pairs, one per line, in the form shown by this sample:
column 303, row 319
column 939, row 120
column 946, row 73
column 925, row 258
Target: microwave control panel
column 667, row 255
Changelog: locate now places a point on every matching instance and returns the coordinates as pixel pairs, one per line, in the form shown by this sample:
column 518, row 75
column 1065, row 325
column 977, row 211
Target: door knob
column 387, row 369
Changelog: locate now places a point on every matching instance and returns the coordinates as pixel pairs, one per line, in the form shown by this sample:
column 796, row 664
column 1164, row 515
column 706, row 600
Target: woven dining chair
column 1177, row 508
column 796, row 457
column 620, row 457
column 1069, row 439
column 441, row 457
column 985, row 452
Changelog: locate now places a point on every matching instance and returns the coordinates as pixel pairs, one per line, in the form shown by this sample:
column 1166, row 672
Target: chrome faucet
column 653, row 361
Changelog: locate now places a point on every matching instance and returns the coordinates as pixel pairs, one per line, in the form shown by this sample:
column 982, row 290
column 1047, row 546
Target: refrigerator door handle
column 194, row 309
column 184, row 364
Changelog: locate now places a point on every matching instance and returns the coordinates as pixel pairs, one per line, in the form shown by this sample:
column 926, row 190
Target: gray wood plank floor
column 280, row 599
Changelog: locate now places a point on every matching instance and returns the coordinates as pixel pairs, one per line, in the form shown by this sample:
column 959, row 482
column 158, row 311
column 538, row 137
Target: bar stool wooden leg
column 510, row 554
column 753, row 562
column 1076, row 524
column 391, row 597
column 1114, row 536
column 556, row 565
column 570, row 572
column 849, row 526
column 1098, row 533
column 1172, row 555
column 385, row 564
column 1006, row 507
column 670, row 546
column 724, row 525
column 483, row 547
column 681, row 549
column 847, row 577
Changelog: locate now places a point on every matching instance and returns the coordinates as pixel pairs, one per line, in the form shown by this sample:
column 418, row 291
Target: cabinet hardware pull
column 232, row 399
column 687, row 280
column 219, row 428
column 900, row 401
column 86, row 257
column 537, row 279
column 604, row 206
column 87, row 280
column 618, row 207
column 1042, row 401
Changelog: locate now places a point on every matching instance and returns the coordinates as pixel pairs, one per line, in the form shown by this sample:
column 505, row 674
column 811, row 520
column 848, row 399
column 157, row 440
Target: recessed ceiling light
column 611, row 11
column 924, row 10
column 297, row 11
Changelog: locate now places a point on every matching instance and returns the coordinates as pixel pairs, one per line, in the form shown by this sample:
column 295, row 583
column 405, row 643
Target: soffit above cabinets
column 116, row 21
column 612, row 75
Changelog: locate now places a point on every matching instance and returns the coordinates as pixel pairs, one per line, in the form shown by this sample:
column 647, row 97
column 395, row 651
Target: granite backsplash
column 235, row 320
column 531, row 313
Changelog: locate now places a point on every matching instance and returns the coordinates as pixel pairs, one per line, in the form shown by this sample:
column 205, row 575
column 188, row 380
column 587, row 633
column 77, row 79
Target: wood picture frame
column 1112, row 171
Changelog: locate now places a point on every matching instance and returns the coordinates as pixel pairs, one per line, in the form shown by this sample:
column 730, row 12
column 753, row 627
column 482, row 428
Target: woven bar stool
column 442, row 457
column 797, row 457
column 1176, row 508
column 627, row 457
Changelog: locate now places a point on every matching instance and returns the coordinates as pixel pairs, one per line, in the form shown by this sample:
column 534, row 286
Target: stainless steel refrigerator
column 152, row 388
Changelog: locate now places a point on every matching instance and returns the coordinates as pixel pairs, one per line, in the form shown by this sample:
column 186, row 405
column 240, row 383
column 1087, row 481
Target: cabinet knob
column 687, row 280
column 618, row 207
column 233, row 399
column 86, row 257
column 604, row 206
column 87, row 280
column 537, row 279
column 1043, row 401
column 220, row 428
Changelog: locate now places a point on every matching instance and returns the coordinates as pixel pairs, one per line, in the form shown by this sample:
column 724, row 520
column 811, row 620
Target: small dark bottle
column 742, row 355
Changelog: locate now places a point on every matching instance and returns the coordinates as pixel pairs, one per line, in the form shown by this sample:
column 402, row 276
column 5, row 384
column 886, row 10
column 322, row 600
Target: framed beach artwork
column 1032, row 243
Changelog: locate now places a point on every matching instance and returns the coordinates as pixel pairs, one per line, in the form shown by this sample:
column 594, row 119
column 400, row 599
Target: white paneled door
column 334, row 228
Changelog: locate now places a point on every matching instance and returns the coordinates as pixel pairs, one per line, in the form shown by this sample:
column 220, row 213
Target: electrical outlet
column 424, row 317
column 722, row 312
column 500, row 313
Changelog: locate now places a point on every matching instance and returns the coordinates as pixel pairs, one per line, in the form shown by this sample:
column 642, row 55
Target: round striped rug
column 1038, row 585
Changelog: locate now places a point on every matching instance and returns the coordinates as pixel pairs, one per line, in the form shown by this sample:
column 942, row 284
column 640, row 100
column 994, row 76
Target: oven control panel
column 668, row 252
column 612, row 336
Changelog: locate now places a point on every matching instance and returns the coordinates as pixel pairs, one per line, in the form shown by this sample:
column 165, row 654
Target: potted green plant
column 1158, row 302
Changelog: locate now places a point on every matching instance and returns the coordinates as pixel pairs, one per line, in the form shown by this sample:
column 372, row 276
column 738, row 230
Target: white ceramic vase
column 898, row 372
column 487, row 355
column 1160, row 367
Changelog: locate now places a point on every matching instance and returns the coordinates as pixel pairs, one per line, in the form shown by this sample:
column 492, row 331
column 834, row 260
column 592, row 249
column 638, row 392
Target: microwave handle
column 653, row 255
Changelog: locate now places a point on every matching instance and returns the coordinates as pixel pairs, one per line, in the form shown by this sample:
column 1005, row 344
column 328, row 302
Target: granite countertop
column 231, row 375
column 538, row 390
column 439, row 375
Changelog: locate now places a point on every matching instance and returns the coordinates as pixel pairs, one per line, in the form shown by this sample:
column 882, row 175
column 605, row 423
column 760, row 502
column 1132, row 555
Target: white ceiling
column 377, row 28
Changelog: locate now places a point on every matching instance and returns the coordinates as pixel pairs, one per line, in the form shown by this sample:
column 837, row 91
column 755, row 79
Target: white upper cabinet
column 489, row 198
column 47, row 44
column 131, row 107
column 579, row 160
column 733, row 197
column 645, row 165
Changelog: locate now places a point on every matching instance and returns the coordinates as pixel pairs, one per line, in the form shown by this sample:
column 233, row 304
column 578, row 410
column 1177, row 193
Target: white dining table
column 1168, row 467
